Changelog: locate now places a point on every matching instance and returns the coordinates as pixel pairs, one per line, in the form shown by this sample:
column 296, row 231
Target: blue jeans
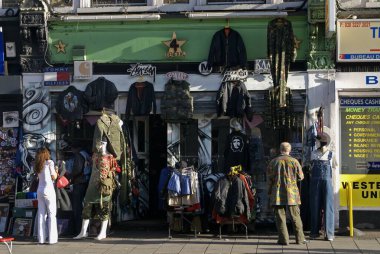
column 321, row 197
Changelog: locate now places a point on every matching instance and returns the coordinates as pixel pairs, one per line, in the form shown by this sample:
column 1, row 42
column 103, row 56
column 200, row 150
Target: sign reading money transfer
column 358, row 40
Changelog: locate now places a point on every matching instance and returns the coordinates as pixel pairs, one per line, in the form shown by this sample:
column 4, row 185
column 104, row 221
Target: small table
column 8, row 242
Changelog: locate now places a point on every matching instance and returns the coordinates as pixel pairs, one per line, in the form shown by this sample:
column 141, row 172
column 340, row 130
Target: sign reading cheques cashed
column 360, row 150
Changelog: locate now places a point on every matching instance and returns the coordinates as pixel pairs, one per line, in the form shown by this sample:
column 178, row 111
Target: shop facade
column 357, row 97
column 120, row 47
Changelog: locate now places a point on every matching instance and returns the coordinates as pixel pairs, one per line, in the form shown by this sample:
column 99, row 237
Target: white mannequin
column 103, row 229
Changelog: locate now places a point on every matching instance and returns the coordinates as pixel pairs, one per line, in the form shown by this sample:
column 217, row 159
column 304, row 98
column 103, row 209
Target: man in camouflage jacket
column 283, row 173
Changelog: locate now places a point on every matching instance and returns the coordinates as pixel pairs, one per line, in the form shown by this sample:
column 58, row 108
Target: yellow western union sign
column 365, row 190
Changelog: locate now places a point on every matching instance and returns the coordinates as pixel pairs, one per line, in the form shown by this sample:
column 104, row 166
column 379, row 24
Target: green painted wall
column 129, row 42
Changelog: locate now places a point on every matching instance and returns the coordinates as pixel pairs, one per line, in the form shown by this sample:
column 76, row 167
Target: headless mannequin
column 85, row 222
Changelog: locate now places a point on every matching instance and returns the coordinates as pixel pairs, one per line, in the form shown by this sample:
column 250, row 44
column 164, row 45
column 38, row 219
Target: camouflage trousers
column 100, row 213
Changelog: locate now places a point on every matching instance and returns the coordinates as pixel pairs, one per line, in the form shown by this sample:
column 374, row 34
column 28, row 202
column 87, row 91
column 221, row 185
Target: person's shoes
column 313, row 237
column 282, row 243
column 330, row 239
column 303, row 242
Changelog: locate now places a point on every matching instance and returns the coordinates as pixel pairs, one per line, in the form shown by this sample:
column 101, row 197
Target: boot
column 83, row 231
column 103, row 231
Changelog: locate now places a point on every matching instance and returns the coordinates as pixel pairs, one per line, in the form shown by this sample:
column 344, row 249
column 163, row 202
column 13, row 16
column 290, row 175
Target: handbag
column 62, row 182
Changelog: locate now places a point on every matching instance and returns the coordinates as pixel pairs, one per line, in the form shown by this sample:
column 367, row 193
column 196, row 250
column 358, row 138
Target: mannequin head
column 104, row 148
column 324, row 139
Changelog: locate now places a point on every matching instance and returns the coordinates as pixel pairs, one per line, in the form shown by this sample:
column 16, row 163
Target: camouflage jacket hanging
column 281, row 51
column 177, row 103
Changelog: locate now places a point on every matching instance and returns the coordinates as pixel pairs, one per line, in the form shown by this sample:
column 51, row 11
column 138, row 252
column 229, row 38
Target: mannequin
column 321, row 189
column 88, row 204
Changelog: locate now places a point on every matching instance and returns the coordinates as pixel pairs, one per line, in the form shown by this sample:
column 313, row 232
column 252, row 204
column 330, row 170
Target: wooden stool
column 8, row 242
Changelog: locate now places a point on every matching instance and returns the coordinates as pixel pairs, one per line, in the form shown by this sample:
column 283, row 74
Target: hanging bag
column 62, row 182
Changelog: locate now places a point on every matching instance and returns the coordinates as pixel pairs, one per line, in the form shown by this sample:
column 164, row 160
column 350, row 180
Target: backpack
column 87, row 168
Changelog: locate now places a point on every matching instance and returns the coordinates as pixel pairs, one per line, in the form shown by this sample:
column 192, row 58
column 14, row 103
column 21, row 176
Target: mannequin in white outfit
column 47, row 204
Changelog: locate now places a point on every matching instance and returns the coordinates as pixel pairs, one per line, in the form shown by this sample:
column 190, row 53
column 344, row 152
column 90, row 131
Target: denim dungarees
column 322, row 197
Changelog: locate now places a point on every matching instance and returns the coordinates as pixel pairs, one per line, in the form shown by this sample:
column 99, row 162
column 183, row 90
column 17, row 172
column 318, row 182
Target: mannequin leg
column 83, row 232
column 103, row 230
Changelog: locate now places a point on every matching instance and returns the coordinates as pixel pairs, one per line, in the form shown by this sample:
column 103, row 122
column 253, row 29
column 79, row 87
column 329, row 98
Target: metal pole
column 350, row 208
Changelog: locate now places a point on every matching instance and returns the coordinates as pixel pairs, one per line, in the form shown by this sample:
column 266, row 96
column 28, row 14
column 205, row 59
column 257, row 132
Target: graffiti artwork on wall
column 204, row 151
column 173, row 148
column 36, row 116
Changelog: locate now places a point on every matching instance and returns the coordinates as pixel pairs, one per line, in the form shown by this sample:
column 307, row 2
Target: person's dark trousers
column 280, row 213
column 79, row 191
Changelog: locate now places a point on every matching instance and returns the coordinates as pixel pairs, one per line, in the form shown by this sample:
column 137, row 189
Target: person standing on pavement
column 284, row 172
column 47, row 204
column 79, row 181
column 321, row 189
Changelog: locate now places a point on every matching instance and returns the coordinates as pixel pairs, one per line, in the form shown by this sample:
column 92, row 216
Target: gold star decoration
column 297, row 43
column 174, row 46
column 60, row 47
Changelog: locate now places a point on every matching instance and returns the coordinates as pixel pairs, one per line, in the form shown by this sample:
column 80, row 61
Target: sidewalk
column 157, row 242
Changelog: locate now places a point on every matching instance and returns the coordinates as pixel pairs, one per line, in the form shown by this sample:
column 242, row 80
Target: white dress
column 47, row 205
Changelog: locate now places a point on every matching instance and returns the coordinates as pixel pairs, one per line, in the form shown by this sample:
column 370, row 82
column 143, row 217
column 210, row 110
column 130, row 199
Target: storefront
column 201, row 139
column 357, row 111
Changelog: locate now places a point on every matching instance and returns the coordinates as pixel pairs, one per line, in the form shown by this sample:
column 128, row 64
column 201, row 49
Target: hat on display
column 324, row 138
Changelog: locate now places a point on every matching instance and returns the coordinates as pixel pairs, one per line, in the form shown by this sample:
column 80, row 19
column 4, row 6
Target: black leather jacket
column 227, row 51
column 100, row 93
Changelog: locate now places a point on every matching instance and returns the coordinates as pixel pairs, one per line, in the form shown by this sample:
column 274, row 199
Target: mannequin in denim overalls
column 321, row 191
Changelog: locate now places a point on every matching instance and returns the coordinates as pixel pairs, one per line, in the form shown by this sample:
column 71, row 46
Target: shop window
column 97, row 3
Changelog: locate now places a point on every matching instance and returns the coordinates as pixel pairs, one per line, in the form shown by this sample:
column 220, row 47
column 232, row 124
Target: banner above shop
column 358, row 40
column 139, row 70
column 82, row 69
column 357, row 80
column 56, row 76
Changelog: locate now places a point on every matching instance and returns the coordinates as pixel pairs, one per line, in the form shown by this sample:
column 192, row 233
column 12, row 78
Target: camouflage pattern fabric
column 283, row 173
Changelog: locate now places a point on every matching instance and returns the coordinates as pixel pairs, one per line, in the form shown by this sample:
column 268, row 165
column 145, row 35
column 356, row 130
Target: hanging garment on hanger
column 281, row 52
column 70, row 104
column 237, row 151
column 100, row 93
column 141, row 99
column 232, row 99
column 177, row 102
column 227, row 51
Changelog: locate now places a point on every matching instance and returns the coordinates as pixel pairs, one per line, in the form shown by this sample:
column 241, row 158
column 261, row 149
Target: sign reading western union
column 365, row 190
column 358, row 40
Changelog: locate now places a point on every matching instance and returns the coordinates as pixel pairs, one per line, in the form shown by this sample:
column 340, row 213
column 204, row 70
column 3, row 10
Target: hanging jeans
column 321, row 197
